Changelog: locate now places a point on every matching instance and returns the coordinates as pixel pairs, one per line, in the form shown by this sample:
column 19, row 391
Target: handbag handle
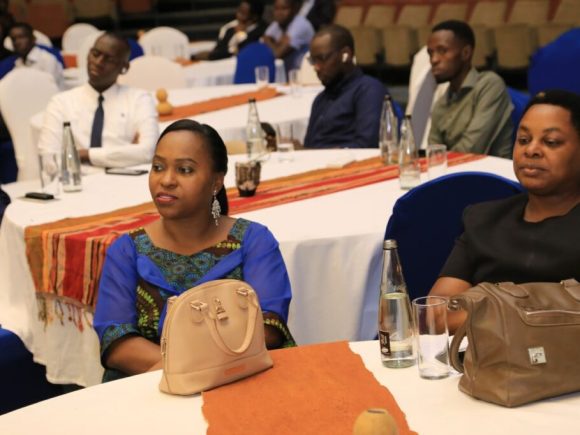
column 456, row 342
column 218, row 339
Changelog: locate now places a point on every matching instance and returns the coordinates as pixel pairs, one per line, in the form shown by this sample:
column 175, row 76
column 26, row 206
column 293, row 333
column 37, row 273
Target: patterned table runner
column 66, row 257
column 311, row 389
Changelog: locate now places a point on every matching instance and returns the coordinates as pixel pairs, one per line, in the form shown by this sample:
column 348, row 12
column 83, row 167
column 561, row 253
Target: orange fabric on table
column 184, row 62
column 70, row 60
column 311, row 389
column 219, row 103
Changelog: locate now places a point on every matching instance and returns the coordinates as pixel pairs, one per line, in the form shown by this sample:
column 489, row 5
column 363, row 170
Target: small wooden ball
column 161, row 94
column 375, row 421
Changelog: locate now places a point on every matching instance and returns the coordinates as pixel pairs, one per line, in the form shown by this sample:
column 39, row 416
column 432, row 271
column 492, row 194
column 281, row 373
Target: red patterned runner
column 66, row 257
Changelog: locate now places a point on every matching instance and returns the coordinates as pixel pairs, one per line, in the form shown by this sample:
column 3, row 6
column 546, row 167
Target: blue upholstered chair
column 556, row 65
column 22, row 381
column 251, row 56
column 520, row 101
column 427, row 220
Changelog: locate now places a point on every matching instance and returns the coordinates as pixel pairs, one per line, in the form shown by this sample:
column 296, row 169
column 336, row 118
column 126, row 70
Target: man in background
column 30, row 55
column 289, row 35
column 474, row 116
column 319, row 12
column 112, row 125
column 346, row 114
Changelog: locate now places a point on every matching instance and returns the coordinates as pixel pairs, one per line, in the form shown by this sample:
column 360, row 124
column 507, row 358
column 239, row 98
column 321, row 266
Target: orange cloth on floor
column 218, row 104
column 317, row 389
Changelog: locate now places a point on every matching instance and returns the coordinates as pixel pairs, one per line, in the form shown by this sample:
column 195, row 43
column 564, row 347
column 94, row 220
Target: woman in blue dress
column 193, row 242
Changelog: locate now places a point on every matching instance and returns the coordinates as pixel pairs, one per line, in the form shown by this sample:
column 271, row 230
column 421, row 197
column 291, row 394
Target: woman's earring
column 216, row 209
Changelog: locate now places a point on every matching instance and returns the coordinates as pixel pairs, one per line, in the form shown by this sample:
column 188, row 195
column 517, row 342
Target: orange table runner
column 213, row 104
column 66, row 257
column 317, row 389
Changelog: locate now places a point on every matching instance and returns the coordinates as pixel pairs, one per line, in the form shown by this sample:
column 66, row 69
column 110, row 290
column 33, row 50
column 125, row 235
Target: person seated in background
column 112, row 125
column 475, row 114
column 248, row 27
column 4, row 201
column 31, row 55
column 289, row 35
column 319, row 12
column 193, row 242
column 346, row 114
column 533, row 236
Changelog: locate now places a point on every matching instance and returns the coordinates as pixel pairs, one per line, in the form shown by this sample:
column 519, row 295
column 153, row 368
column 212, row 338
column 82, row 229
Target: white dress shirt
column 130, row 128
column 44, row 61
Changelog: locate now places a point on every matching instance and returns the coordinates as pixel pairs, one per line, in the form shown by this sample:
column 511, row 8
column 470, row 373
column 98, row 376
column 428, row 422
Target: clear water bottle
column 409, row 167
column 395, row 318
column 255, row 136
column 71, row 164
column 389, row 133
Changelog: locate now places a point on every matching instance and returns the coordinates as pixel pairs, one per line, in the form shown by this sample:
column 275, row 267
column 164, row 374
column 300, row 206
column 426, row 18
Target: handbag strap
column 251, row 326
column 454, row 350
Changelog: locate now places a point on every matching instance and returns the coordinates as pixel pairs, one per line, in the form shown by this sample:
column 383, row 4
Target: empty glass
column 436, row 161
column 50, row 173
column 284, row 143
column 294, row 81
column 248, row 177
column 432, row 336
column 262, row 74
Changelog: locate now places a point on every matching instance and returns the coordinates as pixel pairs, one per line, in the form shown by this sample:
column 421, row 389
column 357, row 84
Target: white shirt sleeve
column 50, row 140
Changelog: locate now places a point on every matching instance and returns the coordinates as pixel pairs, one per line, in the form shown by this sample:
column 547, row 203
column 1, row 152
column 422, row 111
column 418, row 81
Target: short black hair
column 340, row 36
column 256, row 7
column 561, row 98
column 125, row 46
column 21, row 25
column 215, row 145
column 460, row 29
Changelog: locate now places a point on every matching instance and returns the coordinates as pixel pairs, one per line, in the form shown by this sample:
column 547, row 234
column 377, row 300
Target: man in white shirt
column 112, row 125
column 31, row 55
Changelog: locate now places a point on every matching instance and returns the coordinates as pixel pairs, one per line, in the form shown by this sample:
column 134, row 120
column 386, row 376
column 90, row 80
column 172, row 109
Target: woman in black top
column 532, row 237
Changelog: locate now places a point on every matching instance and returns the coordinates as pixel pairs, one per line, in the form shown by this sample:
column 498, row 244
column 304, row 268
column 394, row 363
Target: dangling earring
column 216, row 209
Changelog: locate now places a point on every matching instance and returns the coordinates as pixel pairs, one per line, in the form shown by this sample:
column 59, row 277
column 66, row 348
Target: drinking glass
column 262, row 74
column 432, row 336
column 50, row 173
column 284, row 143
column 436, row 161
column 248, row 177
column 294, row 81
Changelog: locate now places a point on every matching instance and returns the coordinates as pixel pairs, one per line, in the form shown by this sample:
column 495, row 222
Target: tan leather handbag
column 523, row 341
column 213, row 334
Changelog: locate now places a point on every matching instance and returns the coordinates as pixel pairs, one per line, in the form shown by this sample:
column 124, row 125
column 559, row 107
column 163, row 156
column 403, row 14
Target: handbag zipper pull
column 220, row 311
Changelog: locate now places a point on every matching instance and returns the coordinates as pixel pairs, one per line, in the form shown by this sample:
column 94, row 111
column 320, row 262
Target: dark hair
column 561, row 98
column 215, row 145
column 256, row 7
column 27, row 27
column 460, row 29
column 340, row 36
column 125, row 46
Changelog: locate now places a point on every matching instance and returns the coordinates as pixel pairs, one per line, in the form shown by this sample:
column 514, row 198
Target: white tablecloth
column 290, row 113
column 331, row 245
column 135, row 405
column 221, row 72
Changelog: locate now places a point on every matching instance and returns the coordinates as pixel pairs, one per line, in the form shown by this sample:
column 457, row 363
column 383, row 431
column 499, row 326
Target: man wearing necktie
column 113, row 125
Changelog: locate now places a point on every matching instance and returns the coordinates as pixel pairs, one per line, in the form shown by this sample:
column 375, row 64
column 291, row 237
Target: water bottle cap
column 66, row 124
column 390, row 244
column 251, row 100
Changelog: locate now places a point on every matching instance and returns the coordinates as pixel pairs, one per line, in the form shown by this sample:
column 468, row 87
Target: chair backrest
column 529, row 12
column 488, row 13
column 427, row 220
column 414, row 15
column 349, row 16
column 557, row 65
column 74, row 36
column 24, row 92
column 307, row 73
column 449, row 11
column 568, row 12
column 94, row 9
column 165, row 42
column 59, row 11
column 135, row 6
column 380, row 16
column 251, row 56
column 41, row 38
column 519, row 101
column 154, row 72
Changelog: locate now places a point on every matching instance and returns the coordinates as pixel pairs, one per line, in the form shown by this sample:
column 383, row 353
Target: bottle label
column 385, row 342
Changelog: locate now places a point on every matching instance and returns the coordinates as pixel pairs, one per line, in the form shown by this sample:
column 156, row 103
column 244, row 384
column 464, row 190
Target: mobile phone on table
column 125, row 171
column 39, row 195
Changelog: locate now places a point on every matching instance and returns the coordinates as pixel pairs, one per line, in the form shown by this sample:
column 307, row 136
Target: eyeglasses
column 320, row 59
